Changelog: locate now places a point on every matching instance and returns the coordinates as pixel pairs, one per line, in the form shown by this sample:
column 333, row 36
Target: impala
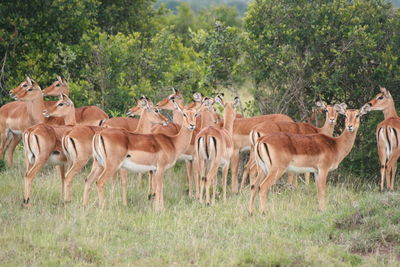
column 318, row 153
column 214, row 147
column 116, row 148
column 387, row 137
column 289, row 127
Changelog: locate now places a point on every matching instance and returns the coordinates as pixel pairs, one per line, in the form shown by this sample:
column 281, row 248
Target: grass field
column 360, row 227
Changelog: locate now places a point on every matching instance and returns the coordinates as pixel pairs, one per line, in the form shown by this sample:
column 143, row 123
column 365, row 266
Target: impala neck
column 229, row 118
column 176, row 114
column 35, row 110
column 390, row 111
column 345, row 143
column 144, row 124
column 70, row 118
column 182, row 140
column 207, row 118
column 328, row 128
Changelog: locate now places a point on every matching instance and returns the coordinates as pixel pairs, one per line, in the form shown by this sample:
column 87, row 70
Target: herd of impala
column 58, row 133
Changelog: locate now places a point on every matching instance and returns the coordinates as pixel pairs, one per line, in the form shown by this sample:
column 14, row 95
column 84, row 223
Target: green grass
column 360, row 227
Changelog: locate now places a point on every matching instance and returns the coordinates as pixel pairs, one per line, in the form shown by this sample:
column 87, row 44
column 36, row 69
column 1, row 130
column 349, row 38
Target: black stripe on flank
column 37, row 141
column 104, row 147
column 397, row 138
column 258, row 153
column 269, row 156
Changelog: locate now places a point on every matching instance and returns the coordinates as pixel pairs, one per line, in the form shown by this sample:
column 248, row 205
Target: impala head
column 353, row 116
column 189, row 116
column 25, row 85
column 27, row 90
column 137, row 109
column 167, row 103
column 152, row 113
column 61, row 108
column 229, row 106
column 381, row 101
column 60, row 86
column 330, row 112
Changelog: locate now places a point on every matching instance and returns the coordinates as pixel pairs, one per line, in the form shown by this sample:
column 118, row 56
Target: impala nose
column 331, row 121
column 350, row 128
column 192, row 127
column 46, row 113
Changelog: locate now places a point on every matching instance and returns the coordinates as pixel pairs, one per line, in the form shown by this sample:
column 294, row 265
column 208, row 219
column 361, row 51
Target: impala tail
column 262, row 156
column 98, row 148
column 206, row 147
column 31, row 146
column 69, row 148
column 254, row 136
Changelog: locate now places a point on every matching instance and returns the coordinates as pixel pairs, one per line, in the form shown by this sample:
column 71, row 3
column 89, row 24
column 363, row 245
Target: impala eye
column 184, row 115
column 57, row 85
column 24, row 85
column 61, row 104
column 380, row 98
column 30, row 89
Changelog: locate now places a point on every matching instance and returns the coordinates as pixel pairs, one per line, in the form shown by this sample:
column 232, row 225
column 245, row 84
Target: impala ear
column 321, row 104
column 59, row 79
column 29, row 80
column 341, row 108
column 174, row 90
column 218, row 99
column 64, row 81
column 365, row 109
column 176, row 104
column 385, row 92
column 236, row 101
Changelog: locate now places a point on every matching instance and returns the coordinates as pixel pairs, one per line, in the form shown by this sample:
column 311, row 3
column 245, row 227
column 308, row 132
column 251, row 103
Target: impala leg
column 383, row 161
column 253, row 173
column 255, row 188
column 200, row 179
column 75, row 168
column 270, row 180
column 61, row 170
column 246, row 172
column 159, row 197
column 224, row 180
column 140, row 178
column 109, row 171
column 29, row 176
column 291, row 178
column 93, row 175
column 189, row 171
column 307, row 177
column 14, row 142
column 392, row 166
column 321, row 180
column 124, row 175
column 234, row 170
column 212, row 174
column 152, row 185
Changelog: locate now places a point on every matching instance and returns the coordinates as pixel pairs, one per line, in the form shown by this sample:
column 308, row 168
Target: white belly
column 185, row 157
column 54, row 159
column 133, row 167
column 296, row 169
column 246, row 148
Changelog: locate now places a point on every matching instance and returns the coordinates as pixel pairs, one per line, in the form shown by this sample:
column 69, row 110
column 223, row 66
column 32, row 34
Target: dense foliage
column 286, row 53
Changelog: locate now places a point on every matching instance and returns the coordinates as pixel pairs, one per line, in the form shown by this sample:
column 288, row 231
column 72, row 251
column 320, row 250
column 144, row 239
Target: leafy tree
column 300, row 51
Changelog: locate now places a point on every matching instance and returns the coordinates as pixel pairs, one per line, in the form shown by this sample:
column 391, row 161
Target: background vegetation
column 283, row 55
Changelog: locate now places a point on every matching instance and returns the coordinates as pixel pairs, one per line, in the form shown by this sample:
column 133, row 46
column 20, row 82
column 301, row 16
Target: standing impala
column 293, row 128
column 214, row 147
column 115, row 148
column 318, row 153
column 387, row 137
